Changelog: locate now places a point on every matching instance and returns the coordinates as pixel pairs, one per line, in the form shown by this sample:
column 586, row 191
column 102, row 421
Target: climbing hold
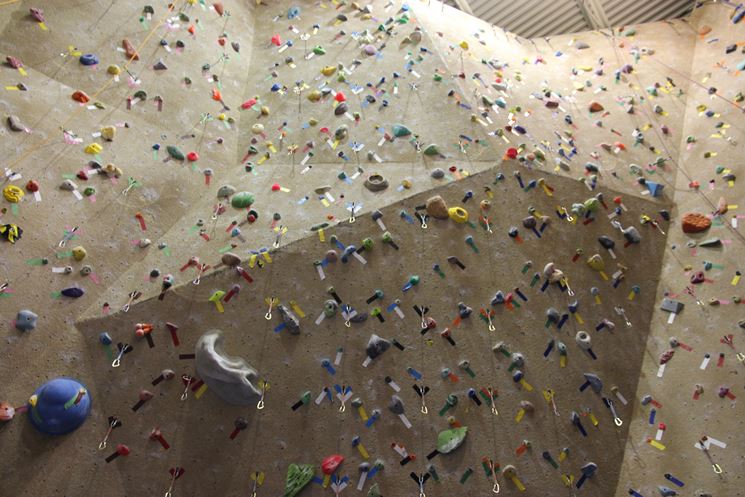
column 15, row 124
column 694, row 223
column 291, row 322
column 399, row 130
column 108, row 133
column 449, row 440
column 437, row 208
column 175, row 152
column 230, row 378
column 59, row 406
column 79, row 253
column 298, row 475
column 73, row 292
column 458, row 214
column 596, row 107
column 376, row 183
column 376, row 346
column 26, row 320
column 13, row 194
column 225, row 191
column 242, row 200
column 93, row 149
column 88, row 59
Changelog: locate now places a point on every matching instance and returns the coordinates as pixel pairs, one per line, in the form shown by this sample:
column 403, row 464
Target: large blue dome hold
column 59, row 406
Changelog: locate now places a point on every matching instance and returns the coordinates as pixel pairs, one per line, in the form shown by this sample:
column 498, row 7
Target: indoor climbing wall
column 267, row 170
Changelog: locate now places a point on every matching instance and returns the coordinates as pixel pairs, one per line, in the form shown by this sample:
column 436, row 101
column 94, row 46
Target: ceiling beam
column 594, row 14
column 464, row 6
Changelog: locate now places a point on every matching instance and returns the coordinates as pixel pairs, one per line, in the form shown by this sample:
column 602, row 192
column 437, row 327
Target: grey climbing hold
column 330, row 308
column 225, row 191
column 230, row 378
column 632, row 235
column 376, row 183
column 376, row 346
column 160, row 66
column 230, row 259
column 595, row 382
column 291, row 322
column 584, row 341
column 529, row 222
column 341, row 109
column 553, row 315
column 26, row 320
column 15, row 124
column 68, row 185
column 396, row 405
column 437, row 173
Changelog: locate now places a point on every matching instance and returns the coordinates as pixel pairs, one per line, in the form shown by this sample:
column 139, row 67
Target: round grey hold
column 26, row 320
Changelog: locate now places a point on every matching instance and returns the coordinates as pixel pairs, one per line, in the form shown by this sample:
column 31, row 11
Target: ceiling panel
column 540, row 18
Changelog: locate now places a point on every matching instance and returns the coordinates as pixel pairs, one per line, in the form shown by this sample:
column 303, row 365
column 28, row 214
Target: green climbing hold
column 242, row 199
column 592, row 204
column 449, row 440
column 298, row 475
column 175, row 152
column 431, row 149
column 400, row 130
column 319, row 50
column 710, row 242
column 629, row 32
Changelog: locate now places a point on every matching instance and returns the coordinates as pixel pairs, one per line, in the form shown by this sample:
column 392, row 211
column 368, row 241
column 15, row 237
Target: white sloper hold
column 230, row 378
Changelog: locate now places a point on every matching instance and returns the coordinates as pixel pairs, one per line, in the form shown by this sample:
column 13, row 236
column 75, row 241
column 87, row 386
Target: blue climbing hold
column 59, row 406
column 654, row 188
column 89, row 59
column 293, row 12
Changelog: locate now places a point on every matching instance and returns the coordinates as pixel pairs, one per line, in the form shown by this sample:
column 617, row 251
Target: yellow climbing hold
column 328, row 70
column 13, row 194
column 458, row 214
column 93, row 149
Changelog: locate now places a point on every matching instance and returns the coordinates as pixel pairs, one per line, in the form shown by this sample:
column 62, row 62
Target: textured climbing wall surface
column 658, row 101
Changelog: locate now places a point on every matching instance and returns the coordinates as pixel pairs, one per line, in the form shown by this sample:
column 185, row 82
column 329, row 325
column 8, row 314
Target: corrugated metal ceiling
column 539, row 18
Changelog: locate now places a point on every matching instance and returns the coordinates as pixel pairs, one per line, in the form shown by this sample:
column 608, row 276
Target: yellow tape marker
column 297, row 309
column 520, row 415
column 200, row 391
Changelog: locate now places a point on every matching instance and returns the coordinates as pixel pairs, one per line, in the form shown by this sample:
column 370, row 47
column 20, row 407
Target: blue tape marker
column 317, row 480
column 370, row 422
column 549, row 348
column 413, row 372
column 652, row 414
column 562, row 321
column 634, row 493
column 544, row 286
column 279, row 328
column 674, row 480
